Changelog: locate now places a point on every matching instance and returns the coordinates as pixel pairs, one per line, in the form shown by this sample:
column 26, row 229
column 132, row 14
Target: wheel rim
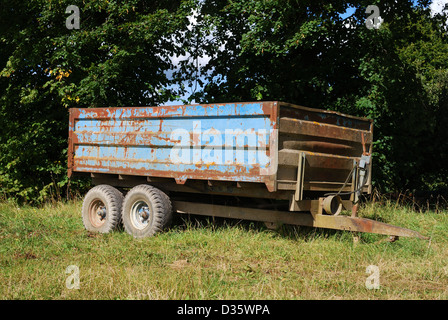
column 140, row 215
column 97, row 213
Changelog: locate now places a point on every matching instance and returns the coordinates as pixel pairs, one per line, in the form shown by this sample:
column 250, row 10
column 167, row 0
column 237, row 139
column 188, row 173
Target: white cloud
column 437, row 6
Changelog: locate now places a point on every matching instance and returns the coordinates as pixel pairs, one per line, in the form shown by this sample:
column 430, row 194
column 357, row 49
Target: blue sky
column 348, row 13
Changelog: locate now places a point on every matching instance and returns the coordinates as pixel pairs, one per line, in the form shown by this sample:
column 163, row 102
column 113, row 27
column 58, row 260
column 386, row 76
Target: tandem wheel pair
column 143, row 212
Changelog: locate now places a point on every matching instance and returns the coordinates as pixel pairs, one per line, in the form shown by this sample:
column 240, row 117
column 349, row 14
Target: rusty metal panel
column 231, row 142
column 331, row 142
column 240, row 142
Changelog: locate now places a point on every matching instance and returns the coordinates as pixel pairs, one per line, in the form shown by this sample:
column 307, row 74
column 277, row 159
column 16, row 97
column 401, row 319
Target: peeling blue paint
column 228, row 139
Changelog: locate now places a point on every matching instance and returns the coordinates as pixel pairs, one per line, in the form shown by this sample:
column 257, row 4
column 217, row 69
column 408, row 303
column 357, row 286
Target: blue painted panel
column 248, row 109
column 226, row 142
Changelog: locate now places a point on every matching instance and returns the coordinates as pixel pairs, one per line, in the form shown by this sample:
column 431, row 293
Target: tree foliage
column 306, row 52
column 300, row 51
column 120, row 56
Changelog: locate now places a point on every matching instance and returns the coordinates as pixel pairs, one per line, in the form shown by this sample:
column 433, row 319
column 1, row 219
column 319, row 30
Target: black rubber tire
column 160, row 211
column 112, row 199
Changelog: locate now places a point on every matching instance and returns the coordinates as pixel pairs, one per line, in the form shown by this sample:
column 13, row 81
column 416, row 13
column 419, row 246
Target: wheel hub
column 101, row 213
column 144, row 213
column 97, row 213
column 140, row 214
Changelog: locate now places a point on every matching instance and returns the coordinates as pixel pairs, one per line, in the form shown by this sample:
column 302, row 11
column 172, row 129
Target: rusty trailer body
column 282, row 163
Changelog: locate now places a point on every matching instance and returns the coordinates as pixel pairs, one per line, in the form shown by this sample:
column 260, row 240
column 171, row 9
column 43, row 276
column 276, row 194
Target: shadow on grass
column 296, row 233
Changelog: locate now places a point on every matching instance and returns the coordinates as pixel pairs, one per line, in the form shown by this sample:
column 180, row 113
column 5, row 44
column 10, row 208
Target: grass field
column 220, row 259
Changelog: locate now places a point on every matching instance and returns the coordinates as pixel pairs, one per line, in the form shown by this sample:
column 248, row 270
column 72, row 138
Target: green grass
column 220, row 259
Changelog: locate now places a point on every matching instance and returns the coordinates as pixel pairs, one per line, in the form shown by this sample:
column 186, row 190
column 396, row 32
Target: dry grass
column 198, row 259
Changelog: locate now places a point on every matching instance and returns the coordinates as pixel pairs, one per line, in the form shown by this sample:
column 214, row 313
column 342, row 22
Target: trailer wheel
column 101, row 209
column 146, row 211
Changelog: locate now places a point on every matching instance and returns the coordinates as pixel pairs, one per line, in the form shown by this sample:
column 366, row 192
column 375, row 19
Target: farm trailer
column 273, row 162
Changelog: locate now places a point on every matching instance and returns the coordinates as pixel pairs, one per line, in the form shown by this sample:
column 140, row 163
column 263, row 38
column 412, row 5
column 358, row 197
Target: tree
column 119, row 56
column 304, row 52
column 299, row 51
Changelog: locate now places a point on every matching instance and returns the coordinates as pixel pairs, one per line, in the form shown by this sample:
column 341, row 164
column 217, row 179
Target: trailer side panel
column 227, row 142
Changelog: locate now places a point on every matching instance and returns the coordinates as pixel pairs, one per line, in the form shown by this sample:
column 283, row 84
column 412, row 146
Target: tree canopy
column 308, row 52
